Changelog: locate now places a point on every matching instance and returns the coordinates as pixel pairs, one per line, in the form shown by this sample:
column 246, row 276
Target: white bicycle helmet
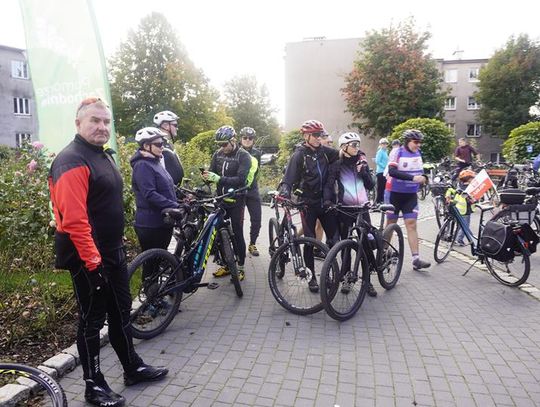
column 384, row 140
column 148, row 134
column 348, row 137
column 165, row 116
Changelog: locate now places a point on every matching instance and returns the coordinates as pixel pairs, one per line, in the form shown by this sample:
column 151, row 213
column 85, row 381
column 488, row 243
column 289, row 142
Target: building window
column 452, row 127
column 472, row 104
column 474, row 130
column 21, row 138
column 450, row 103
column 21, row 106
column 473, row 74
column 450, row 75
column 19, row 69
column 496, row 158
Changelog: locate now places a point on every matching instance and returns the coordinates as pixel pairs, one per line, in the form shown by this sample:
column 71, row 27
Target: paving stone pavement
column 437, row 339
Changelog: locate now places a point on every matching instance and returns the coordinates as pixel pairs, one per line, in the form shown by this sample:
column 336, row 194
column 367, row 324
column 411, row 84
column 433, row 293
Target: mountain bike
column 157, row 298
column 293, row 265
column 512, row 272
column 346, row 271
column 275, row 227
column 53, row 391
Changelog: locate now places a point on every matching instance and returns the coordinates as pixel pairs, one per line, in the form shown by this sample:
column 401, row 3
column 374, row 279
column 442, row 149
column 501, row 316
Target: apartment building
column 315, row 71
column 18, row 119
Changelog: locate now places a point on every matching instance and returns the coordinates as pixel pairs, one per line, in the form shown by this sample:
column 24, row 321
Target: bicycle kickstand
column 472, row 265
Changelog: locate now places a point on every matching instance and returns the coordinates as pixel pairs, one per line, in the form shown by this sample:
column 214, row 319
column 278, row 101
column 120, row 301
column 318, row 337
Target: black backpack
column 498, row 241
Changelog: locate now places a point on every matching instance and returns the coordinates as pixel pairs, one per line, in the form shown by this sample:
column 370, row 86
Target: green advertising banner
column 66, row 63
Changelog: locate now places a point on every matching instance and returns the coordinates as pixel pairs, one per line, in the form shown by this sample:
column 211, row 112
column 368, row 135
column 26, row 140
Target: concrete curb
column 56, row 367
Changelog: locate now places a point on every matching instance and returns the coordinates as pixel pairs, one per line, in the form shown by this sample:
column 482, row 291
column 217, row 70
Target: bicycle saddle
column 386, row 207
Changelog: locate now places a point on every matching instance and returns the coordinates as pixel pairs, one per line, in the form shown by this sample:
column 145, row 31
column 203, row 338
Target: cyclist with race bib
column 231, row 167
column 406, row 174
column 350, row 174
column 308, row 171
column 167, row 122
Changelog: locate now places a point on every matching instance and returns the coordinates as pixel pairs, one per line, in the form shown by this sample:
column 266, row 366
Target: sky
column 234, row 37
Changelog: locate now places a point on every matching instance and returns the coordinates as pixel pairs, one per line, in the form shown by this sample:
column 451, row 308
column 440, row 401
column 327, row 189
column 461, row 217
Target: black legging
column 236, row 215
column 309, row 219
column 253, row 204
column 381, row 183
column 152, row 238
column 112, row 302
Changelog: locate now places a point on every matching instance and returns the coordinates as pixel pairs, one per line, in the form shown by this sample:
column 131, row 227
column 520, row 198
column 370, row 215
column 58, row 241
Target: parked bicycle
column 293, row 264
column 53, row 392
column 156, row 300
column 508, row 257
column 346, row 271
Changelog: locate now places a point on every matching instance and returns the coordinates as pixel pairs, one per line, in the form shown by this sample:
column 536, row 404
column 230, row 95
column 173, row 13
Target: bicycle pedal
column 211, row 286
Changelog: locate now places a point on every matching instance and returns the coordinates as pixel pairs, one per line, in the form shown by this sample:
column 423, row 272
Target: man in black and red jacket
column 86, row 194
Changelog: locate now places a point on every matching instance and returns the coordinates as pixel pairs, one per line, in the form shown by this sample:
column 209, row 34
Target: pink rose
column 32, row 165
column 37, row 145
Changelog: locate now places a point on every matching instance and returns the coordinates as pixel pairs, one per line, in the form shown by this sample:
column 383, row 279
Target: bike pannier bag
column 498, row 241
column 529, row 237
column 512, row 196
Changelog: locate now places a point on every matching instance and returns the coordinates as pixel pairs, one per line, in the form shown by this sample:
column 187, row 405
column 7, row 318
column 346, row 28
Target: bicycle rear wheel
column 445, row 240
column 53, row 390
column 344, row 280
column 440, row 210
column 291, row 268
column 391, row 257
column 227, row 254
column 512, row 273
column 151, row 310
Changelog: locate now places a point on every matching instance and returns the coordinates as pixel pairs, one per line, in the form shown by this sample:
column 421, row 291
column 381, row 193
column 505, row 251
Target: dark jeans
column 153, row 238
column 236, row 215
column 309, row 219
column 113, row 303
column 381, row 183
column 253, row 204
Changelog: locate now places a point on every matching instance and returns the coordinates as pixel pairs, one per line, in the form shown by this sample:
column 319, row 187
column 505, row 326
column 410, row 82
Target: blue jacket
column 381, row 159
column 154, row 191
column 536, row 163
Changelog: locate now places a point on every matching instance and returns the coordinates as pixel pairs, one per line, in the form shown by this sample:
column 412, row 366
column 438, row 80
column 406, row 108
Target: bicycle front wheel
column 512, row 273
column 53, row 390
column 273, row 235
column 291, row 269
column 440, row 210
column 445, row 240
column 151, row 310
column 227, row 254
column 344, row 279
column 391, row 257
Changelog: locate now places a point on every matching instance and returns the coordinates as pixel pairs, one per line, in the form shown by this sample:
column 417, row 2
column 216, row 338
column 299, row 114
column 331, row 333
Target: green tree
column 287, row 145
column 393, row 79
column 196, row 153
column 515, row 146
column 249, row 105
column 509, row 86
column 438, row 142
column 152, row 72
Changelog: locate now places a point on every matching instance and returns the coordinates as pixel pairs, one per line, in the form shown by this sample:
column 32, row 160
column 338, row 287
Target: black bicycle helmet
column 247, row 131
column 412, row 134
column 224, row 133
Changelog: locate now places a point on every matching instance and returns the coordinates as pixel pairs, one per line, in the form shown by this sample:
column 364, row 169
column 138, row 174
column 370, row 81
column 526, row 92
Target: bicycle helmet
column 224, row 133
column 165, row 116
column 247, row 131
column 348, row 137
column 412, row 134
column 466, row 174
column 148, row 134
column 396, row 142
column 312, row 126
column 384, row 140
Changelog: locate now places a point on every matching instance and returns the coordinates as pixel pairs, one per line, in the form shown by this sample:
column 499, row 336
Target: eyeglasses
column 247, row 137
column 173, row 124
column 354, row 144
column 317, row 135
column 223, row 144
column 158, row 144
column 88, row 101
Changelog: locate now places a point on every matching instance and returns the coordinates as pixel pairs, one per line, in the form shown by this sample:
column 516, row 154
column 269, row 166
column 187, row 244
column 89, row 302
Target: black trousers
column 112, row 303
column 309, row 220
column 153, row 238
column 236, row 215
column 381, row 183
column 253, row 204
